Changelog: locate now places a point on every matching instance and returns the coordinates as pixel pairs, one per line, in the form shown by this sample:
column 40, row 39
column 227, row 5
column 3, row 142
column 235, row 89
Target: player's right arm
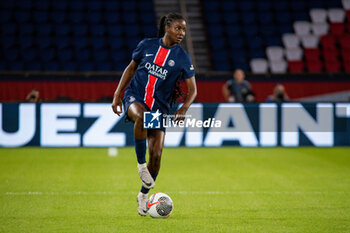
column 128, row 73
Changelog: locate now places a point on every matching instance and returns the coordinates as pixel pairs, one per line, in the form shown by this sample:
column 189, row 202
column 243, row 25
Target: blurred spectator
column 33, row 96
column 279, row 94
column 237, row 89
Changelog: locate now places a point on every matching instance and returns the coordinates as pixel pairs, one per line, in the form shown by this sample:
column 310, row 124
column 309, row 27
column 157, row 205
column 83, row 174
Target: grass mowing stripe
column 34, row 193
column 227, row 189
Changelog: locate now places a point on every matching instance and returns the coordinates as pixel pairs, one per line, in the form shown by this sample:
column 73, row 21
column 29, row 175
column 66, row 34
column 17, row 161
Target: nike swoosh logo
column 149, row 205
column 147, row 55
column 148, row 184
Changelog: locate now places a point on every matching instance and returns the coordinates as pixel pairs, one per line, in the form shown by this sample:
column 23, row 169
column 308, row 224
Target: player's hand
column 117, row 105
column 180, row 115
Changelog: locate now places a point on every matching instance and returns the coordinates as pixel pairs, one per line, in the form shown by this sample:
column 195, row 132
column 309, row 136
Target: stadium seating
column 285, row 35
column 279, row 66
column 309, row 41
column 314, row 66
column 319, row 29
column 330, row 54
column 297, row 36
column 294, row 54
column 78, row 35
column 259, row 65
column 318, row 15
column 296, row 66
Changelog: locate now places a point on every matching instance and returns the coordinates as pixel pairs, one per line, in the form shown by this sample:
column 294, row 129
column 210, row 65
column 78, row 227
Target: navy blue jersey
column 158, row 70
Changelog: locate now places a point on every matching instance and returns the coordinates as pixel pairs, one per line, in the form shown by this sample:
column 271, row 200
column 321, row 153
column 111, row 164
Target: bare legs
column 155, row 138
column 155, row 148
column 135, row 113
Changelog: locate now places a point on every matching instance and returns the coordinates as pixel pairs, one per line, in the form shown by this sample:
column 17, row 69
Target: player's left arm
column 190, row 97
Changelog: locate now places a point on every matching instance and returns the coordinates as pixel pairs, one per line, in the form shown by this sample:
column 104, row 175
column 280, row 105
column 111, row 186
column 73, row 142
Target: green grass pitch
column 228, row 189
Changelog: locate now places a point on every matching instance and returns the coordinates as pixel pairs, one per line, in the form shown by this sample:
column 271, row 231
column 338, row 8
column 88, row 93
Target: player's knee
column 156, row 154
column 138, row 117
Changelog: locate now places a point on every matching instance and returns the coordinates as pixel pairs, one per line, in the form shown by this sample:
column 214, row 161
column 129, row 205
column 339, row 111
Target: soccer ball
column 160, row 205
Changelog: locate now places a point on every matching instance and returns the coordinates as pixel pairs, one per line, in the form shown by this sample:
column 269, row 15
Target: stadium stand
column 79, row 35
column 269, row 38
column 240, row 34
column 298, row 33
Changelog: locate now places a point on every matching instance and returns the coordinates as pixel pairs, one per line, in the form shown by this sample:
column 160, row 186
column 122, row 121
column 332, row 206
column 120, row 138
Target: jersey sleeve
column 137, row 54
column 188, row 69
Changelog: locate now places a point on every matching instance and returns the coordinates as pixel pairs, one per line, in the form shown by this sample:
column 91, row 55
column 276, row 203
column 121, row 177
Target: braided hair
column 166, row 20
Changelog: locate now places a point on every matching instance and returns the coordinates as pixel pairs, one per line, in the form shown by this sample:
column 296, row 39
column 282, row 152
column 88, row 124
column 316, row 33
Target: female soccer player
column 155, row 69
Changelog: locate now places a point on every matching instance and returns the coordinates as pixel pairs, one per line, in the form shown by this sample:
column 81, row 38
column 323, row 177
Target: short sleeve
column 188, row 69
column 138, row 52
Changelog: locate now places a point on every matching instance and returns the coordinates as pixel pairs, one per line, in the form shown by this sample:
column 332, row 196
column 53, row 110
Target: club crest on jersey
column 171, row 63
column 131, row 98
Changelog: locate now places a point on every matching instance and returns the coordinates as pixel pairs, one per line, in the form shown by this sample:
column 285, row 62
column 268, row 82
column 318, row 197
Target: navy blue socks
column 140, row 148
column 145, row 190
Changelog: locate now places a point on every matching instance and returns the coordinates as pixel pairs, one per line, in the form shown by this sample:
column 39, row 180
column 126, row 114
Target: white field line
column 83, row 193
